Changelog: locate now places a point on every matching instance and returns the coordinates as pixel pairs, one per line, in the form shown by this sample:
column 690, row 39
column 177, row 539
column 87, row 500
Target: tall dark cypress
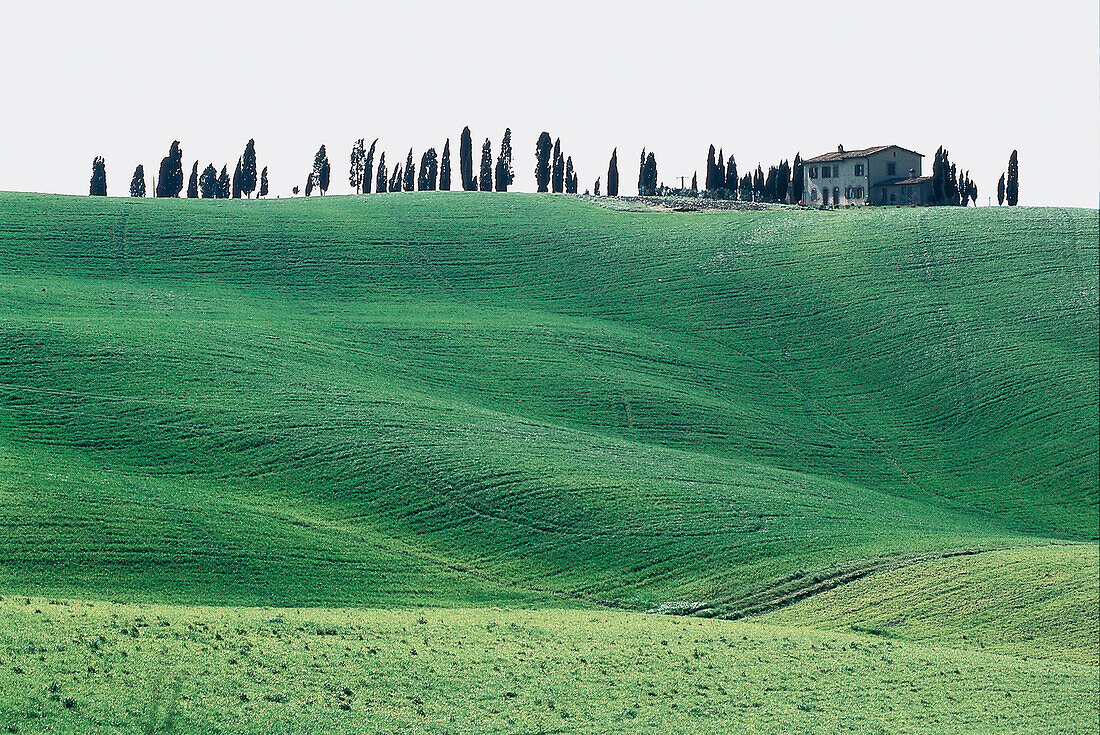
column 137, row 183
column 505, row 176
column 193, row 182
column 570, row 177
column 732, row 182
column 264, row 189
column 422, row 174
column 695, row 179
column 380, row 182
column 396, row 179
column 783, row 181
column 596, row 188
column 744, row 192
column 951, row 186
column 248, row 168
column 542, row 162
column 208, row 182
column 720, row 173
column 771, row 193
column 170, row 177
column 758, row 182
column 1012, row 184
column 650, row 169
column 97, row 187
column 557, row 175
column 408, row 177
column 445, row 167
column 368, row 167
column 324, row 172
column 711, row 181
column 939, row 178
column 798, row 182
column 641, row 174
column 466, row 161
column 237, row 175
column 1001, row 190
column 613, row 174
column 429, row 169
column 485, row 172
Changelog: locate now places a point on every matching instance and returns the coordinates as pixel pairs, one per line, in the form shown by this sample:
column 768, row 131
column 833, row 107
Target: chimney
column 840, row 149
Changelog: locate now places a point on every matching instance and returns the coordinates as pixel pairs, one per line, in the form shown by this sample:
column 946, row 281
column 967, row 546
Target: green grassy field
column 538, row 406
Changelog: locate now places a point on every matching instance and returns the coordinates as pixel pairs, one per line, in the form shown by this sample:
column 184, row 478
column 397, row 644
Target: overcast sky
column 761, row 80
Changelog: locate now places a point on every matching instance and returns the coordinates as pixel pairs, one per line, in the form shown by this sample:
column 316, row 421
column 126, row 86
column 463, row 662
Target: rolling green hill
column 401, row 399
column 508, row 409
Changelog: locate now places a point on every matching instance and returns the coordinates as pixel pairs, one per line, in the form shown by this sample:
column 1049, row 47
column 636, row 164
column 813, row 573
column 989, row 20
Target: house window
column 836, row 195
column 848, row 193
column 813, row 195
column 813, row 172
column 891, row 169
column 859, row 192
column 836, row 172
column 859, row 169
column 825, row 172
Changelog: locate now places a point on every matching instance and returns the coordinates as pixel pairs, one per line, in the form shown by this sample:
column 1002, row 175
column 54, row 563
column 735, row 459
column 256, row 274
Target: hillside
column 471, row 399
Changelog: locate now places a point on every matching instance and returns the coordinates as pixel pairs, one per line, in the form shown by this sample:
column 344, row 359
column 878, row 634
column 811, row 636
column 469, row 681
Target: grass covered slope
column 429, row 399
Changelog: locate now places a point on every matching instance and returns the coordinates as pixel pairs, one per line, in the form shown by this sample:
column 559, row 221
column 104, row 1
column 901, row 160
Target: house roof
column 840, row 155
column 905, row 182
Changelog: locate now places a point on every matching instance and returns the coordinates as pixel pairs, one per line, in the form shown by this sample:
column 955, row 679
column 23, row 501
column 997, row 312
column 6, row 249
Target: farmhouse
column 885, row 174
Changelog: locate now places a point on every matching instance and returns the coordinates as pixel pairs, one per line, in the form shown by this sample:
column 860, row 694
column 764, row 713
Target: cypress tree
column 409, row 174
column 97, row 187
column 783, row 181
column 570, row 177
column 248, row 168
column 613, row 174
column 208, row 182
column 445, row 167
column 596, row 188
column 505, row 176
column 429, row 169
column 324, row 173
column 264, row 189
column 355, row 168
column 395, row 179
column 641, row 174
column 368, row 167
column 745, row 188
column 720, row 174
column 310, row 182
column 939, row 195
column 711, row 182
column 137, row 183
column 650, row 173
column 1012, row 185
column 974, row 193
column 485, row 172
column 422, row 176
column 380, row 183
column 170, row 177
column 557, row 176
column 223, row 183
column 758, row 184
column 950, row 185
column 237, row 180
column 732, row 182
column 695, row 176
column 542, row 162
column 466, row 161
column 771, row 185
column 798, row 179
column 193, row 182
column 1001, row 190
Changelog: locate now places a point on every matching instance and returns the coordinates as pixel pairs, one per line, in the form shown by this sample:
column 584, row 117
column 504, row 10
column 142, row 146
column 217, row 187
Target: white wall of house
column 845, row 181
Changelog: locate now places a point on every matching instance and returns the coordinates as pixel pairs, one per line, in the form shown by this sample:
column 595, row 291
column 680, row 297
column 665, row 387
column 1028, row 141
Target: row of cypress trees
column 1009, row 189
column 207, row 185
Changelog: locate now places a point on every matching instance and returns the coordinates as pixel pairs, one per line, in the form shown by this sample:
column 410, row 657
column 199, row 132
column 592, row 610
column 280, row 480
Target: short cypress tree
column 224, row 183
column 466, row 160
column 613, row 174
column 650, row 172
column 355, row 165
column 1012, row 184
column 396, row 179
column 208, row 182
column 324, row 172
column 543, row 149
column 485, row 172
column 596, row 188
column 380, row 181
column 745, row 190
column 557, row 174
column 641, row 174
column 368, row 167
column 1001, row 190
column 758, row 182
column 429, row 169
column 310, row 182
column 732, row 182
column 408, row 176
column 137, row 183
column 264, row 189
column 951, row 186
column 445, row 167
column 248, row 169
column 97, row 187
column 695, row 178
column 170, row 177
column 193, row 182
column 505, row 176
column 798, row 179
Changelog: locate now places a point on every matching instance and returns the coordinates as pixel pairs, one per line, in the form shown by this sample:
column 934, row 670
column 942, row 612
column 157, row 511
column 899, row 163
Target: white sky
column 763, row 80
